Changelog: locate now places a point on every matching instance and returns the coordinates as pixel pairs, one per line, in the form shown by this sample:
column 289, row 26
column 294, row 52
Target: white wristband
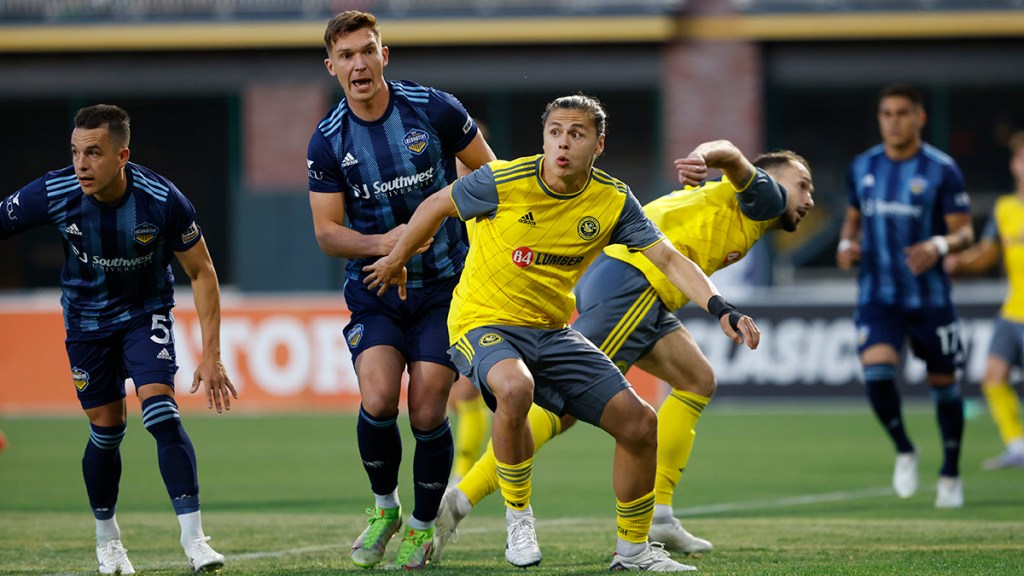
column 941, row 244
column 844, row 244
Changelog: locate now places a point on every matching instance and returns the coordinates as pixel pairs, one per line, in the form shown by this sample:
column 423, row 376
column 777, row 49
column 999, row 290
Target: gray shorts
column 1008, row 341
column 570, row 375
column 620, row 312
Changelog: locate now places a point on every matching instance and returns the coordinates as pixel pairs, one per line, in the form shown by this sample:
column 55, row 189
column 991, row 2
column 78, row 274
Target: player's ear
column 330, row 67
column 122, row 156
column 384, row 54
column 600, row 146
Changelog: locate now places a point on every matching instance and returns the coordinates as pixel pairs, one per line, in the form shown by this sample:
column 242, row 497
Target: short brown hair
column 348, row 22
column 115, row 119
column 580, row 101
column 775, row 159
column 904, row 91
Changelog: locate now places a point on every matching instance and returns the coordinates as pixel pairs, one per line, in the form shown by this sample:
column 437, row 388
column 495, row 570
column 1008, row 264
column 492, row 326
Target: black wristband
column 717, row 306
column 734, row 320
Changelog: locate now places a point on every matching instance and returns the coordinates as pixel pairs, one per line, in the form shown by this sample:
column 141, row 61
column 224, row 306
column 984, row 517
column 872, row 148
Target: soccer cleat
column 949, row 492
column 202, row 558
column 652, row 558
column 521, row 549
column 676, row 538
column 414, row 552
column 904, row 474
column 455, row 506
column 113, row 558
column 1008, row 459
column 368, row 549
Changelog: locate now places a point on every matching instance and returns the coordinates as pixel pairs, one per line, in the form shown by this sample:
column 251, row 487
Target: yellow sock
column 470, row 433
column 545, row 425
column 677, row 419
column 514, row 480
column 634, row 518
column 1005, row 408
column 482, row 478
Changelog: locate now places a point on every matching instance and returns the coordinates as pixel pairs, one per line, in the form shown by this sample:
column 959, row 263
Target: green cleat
column 368, row 549
column 414, row 553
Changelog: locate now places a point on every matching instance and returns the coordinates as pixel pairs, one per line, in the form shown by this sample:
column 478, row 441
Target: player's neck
column 374, row 108
column 113, row 193
column 899, row 153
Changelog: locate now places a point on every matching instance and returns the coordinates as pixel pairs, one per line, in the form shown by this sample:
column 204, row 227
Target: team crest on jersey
column 917, row 184
column 862, row 335
column 588, row 228
column 622, row 366
column 145, row 233
column 490, row 339
column 355, row 336
column 80, row 377
column 415, row 140
column 732, row 257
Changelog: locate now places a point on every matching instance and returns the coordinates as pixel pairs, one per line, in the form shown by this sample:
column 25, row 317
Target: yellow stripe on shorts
column 629, row 322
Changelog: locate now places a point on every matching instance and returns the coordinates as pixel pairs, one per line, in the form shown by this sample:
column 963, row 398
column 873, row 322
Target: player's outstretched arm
column 390, row 270
column 695, row 284
column 720, row 154
column 206, row 292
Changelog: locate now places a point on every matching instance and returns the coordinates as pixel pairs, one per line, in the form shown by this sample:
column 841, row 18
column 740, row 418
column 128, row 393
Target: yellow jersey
column 530, row 244
column 1008, row 216
column 709, row 225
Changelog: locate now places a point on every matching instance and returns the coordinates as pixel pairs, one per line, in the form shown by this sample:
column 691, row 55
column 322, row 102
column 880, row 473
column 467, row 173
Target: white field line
column 708, row 510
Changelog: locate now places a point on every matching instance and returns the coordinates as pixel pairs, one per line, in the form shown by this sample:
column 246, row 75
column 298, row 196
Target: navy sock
column 175, row 454
column 101, row 468
column 380, row 447
column 949, row 409
column 880, row 382
column 432, row 465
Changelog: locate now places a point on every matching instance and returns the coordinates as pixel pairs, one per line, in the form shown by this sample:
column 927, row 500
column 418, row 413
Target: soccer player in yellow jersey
column 1003, row 235
column 626, row 306
column 539, row 221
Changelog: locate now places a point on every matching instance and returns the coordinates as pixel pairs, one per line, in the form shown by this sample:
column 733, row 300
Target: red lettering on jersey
column 522, row 257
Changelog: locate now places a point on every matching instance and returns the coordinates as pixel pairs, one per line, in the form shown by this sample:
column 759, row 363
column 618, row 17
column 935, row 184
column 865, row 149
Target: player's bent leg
column 429, row 386
column 1004, row 406
column 472, row 419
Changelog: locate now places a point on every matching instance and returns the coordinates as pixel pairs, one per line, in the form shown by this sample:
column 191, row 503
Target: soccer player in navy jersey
column 385, row 148
column 908, row 209
column 121, row 224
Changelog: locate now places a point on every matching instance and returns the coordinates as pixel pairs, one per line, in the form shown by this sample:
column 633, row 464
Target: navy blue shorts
column 934, row 333
column 142, row 349
column 416, row 327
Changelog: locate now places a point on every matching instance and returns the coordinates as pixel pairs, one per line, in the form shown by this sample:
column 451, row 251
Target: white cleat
column 904, row 474
column 676, row 538
column 521, row 548
column 202, row 558
column 653, row 558
column 1008, row 459
column 113, row 558
column 455, row 506
column 949, row 492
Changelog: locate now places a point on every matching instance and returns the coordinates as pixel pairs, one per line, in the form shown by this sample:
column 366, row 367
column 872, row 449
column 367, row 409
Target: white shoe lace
column 114, row 557
column 521, row 534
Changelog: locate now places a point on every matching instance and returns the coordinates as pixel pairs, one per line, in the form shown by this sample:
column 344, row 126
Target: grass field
column 779, row 489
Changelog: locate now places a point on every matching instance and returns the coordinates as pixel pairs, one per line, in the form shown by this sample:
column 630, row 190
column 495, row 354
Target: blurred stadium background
column 224, row 95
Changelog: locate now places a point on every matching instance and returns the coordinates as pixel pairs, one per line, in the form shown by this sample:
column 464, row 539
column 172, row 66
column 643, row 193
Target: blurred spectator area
column 224, row 95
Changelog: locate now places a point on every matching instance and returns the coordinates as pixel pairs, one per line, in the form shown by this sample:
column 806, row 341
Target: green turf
column 780, row 490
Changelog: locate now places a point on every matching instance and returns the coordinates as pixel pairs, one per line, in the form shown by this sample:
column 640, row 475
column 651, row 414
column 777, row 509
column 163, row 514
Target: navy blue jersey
column 387, row 167
column 116, row 257
column 902, row 203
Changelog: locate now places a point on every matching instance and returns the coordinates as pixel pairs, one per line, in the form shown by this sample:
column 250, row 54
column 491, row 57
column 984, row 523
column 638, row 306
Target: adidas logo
column 73, row 230
column 164, row 355
column 349, row 160
column 528, row 219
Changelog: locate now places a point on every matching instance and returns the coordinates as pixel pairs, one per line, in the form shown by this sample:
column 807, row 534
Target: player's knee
column 514, row 393
column 637, row 427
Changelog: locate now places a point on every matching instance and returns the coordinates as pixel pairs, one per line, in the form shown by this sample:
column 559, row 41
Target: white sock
column 662, row 514
column 513, row 515
column 191, row 527
column 387, row 500
column 107, row 530
column 626, row 548
column 1016, row 446
column 417, row 524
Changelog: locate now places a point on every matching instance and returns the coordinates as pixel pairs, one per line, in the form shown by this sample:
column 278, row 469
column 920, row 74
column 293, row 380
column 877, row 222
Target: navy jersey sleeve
column 763, row 199
column 324, row 173
column 851, row 189
column 476, row 194
column 952, row 195
column 182, row 230
column 634, row 228
column 26, row 208
column 453, row 124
